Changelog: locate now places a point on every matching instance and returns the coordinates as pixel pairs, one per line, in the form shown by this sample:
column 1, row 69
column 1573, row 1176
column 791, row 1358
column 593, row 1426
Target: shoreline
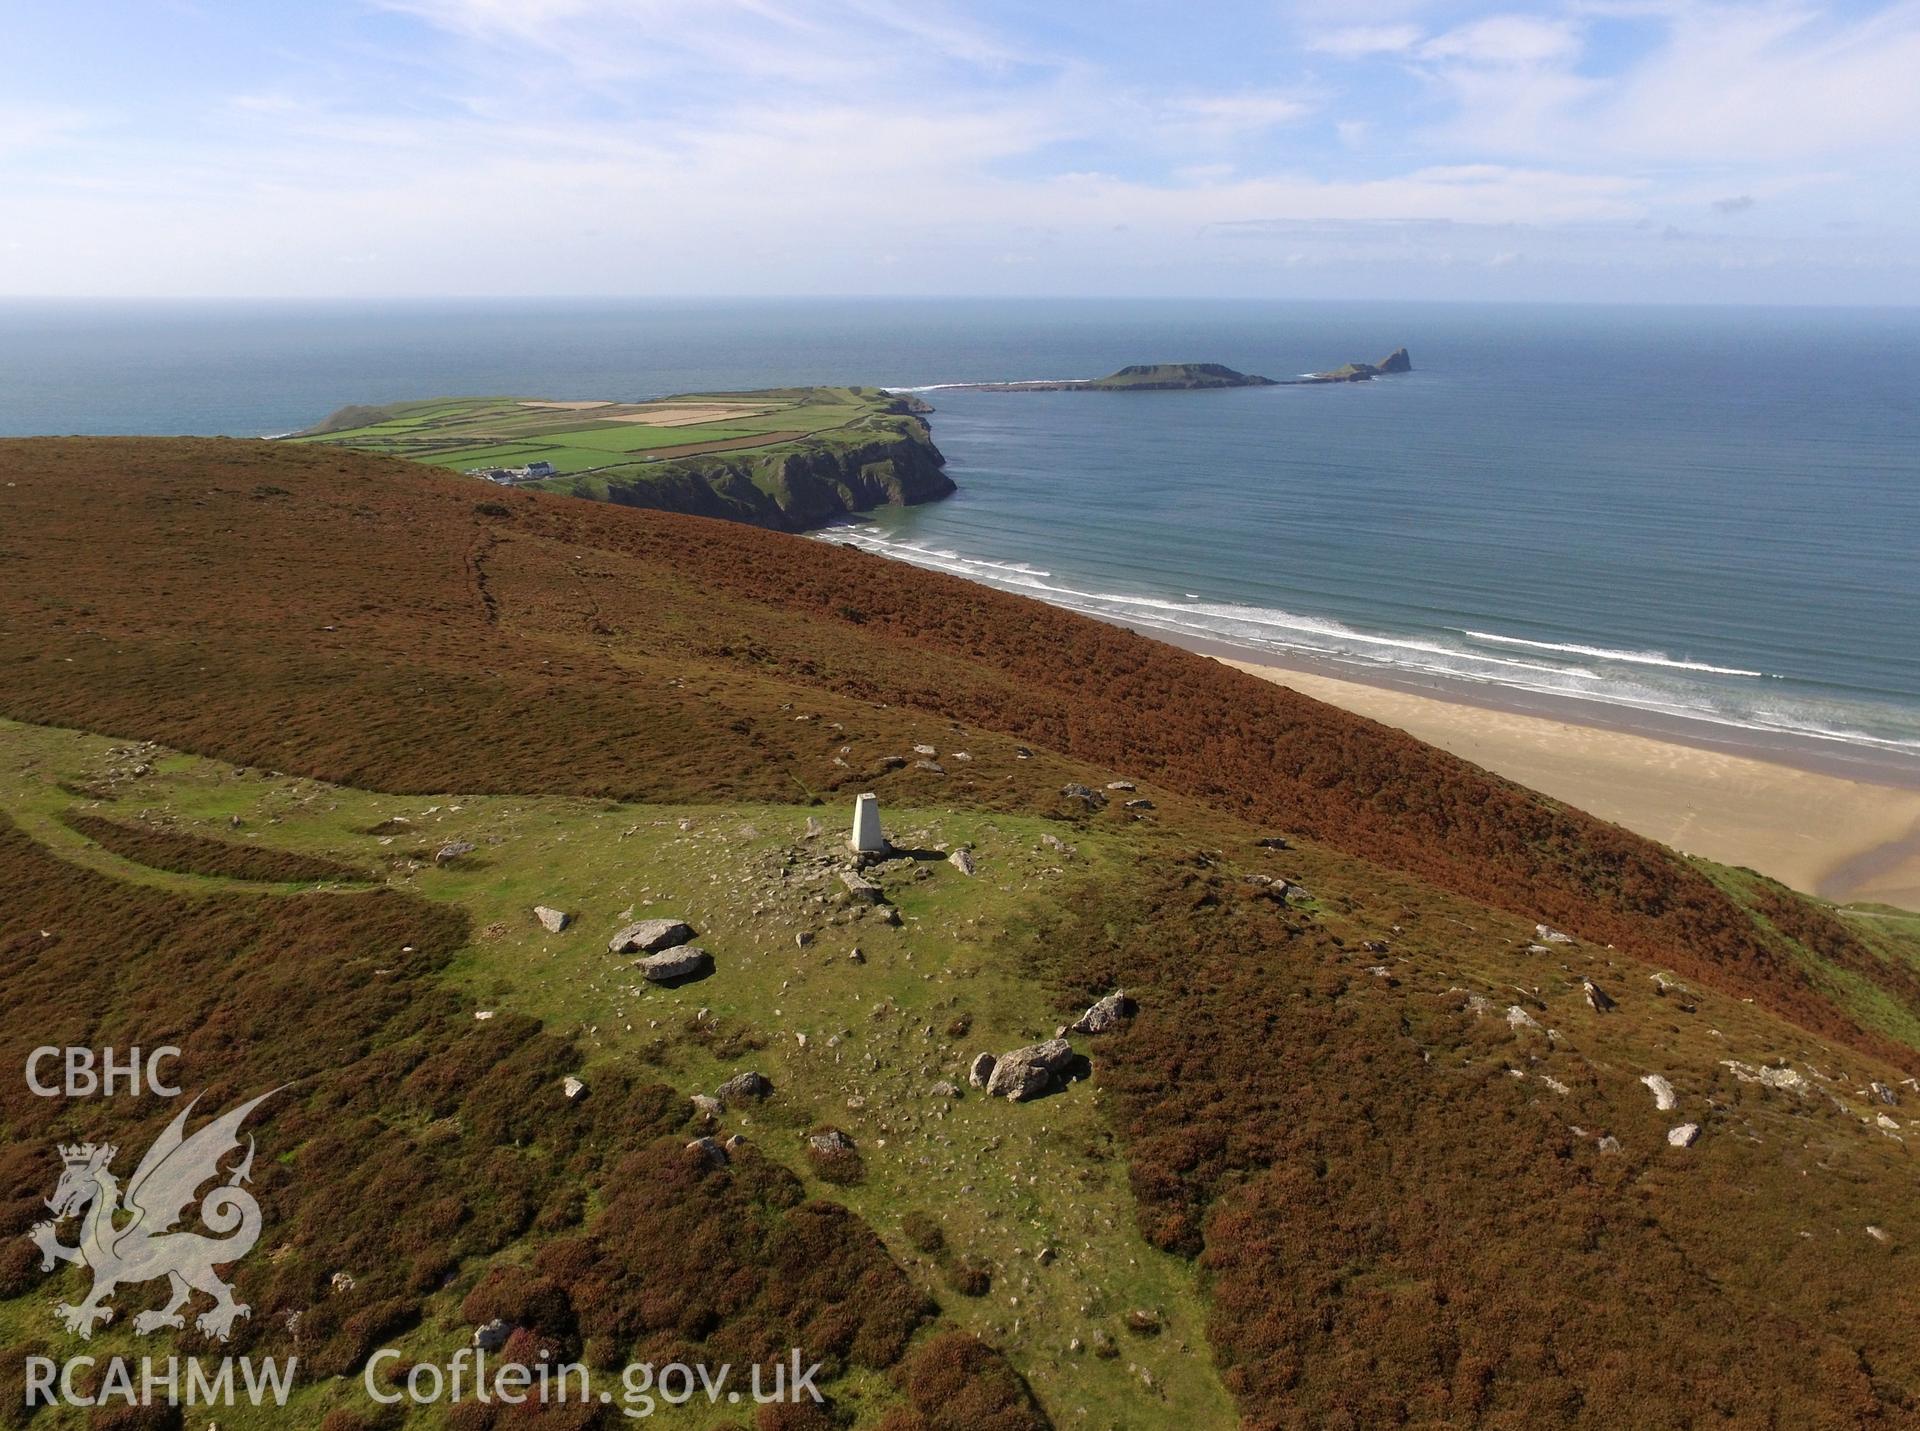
column 1839, row 828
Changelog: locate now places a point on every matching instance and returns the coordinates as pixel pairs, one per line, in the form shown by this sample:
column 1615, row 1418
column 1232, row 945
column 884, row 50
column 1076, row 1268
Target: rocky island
column 1188, row 377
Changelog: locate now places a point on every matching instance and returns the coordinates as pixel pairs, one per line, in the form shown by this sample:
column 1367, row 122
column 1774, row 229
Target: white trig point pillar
column 867, row 839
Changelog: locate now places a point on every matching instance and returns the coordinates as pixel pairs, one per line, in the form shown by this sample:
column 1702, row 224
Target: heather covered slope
column 1371, row 1138
column 381, row 626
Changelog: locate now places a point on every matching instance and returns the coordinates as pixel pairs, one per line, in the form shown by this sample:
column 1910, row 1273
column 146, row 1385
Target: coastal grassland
column 1003, row 1184
column 463, row 433
column 1329, row 1125
column 448, row 1136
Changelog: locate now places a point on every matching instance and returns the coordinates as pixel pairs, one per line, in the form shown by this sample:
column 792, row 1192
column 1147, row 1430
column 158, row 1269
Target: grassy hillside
column 1367, row 1155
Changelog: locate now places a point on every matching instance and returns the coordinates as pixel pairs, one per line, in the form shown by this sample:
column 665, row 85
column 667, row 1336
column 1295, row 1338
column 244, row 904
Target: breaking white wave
column 1666, row 686
column 1603, row 653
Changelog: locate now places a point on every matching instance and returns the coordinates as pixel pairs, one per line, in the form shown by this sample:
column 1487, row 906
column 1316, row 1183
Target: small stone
column 341, row 1283
column 1878, row 1234
column 1519, row 1018
column 552, row 920
column 706, row 1107
column 1883, row 1094
column 830, row 1140
column 572, row 1086
column 1127, row 785
column 453, row 850
column 944, row 1089
column 1684, row 1135
column 1548, row 935
column 1609, row 1144
column 1663, row 1098
column 962, row 860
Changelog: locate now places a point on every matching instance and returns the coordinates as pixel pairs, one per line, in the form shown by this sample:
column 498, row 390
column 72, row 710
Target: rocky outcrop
column 1106, row 1015
column 890, row 460
column 1395, row 362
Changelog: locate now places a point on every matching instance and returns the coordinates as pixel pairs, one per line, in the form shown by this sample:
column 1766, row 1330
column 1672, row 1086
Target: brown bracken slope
column 381, row 625
column 1403, row 1205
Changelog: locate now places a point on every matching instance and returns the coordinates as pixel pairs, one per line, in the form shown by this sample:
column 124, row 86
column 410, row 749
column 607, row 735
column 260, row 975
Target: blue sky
column 1605, row 150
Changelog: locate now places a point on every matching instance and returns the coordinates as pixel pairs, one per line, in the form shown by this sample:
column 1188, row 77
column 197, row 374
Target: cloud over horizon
column 443, row 147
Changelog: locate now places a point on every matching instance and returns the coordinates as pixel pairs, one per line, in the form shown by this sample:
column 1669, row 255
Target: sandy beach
column 1842, row 839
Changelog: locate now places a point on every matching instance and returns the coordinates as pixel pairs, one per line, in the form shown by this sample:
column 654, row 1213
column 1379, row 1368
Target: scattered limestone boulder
column 1789, row 1079
column 1663, row 1098
column 709, row 1149
column 707, row 1108
column 1106, row 1015
column 1597, row 998
column 1881, row 1093
column 572, row 1087
column 1683, row 1136
column 1085, row 794
column 1878, row 1234
column 981, row 1071
column 962, row 860
column 453, row 850
column 1519, row 1018
column 342, row 1283
column 1028, row 1072
column 650, row 936
column 1549, row 935
column 830, row 1141
column 944, row 1089
column 743, row 1087
column 552, row 920
column 1125, row 785
column 683, row 963
column 860, row 887
column 491, row 1336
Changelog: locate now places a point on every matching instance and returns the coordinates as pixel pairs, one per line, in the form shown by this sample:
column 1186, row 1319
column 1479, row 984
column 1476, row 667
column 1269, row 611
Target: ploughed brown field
column 1391, row 1221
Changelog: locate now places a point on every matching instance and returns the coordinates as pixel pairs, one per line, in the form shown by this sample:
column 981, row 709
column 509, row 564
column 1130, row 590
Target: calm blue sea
column 1709, row 516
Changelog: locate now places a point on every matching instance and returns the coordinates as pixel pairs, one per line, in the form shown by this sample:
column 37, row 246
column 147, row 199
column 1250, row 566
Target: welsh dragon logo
column 134, row 1241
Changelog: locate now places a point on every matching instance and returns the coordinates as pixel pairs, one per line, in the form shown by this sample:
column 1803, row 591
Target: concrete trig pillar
column 867, row 839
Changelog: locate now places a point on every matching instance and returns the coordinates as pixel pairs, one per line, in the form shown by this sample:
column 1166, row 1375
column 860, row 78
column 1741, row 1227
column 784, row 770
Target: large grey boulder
column 981, row 1070
column 962, row 860
column 744, row 1086
column 552, row 920
column 671, row 964
column 650, row 936
column 1106, row 1015
column 1028, row 1072
column 491, row 1336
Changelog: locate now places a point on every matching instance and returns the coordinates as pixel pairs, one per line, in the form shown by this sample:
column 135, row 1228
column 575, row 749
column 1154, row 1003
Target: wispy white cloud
column 836, row 145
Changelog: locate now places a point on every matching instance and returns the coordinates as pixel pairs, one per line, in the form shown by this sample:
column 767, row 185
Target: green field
column 469, row 434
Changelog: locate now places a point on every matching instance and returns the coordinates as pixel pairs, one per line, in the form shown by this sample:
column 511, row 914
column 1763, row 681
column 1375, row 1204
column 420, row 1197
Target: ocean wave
column 1604, row 653
column 1670, row 687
